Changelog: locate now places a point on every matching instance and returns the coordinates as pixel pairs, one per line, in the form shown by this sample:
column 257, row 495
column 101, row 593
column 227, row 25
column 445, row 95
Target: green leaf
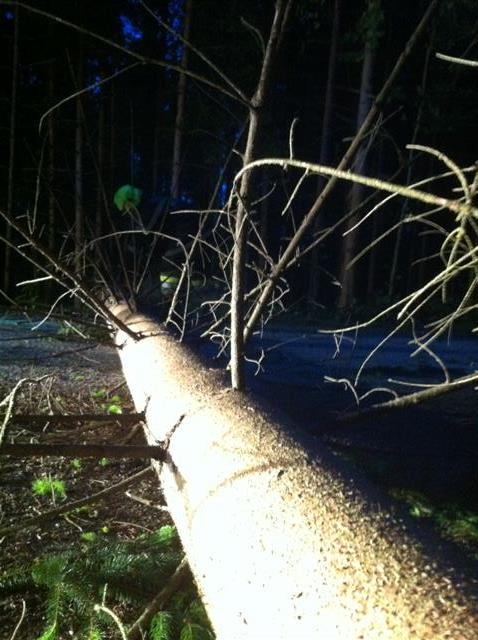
column 88, row 536
column 165, row 534
column 114, row 409
column 50, row 632
column 127, row 197
column 99, row 393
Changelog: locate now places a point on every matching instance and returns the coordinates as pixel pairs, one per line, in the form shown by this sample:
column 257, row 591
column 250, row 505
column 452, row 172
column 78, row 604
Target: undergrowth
column 124, row 575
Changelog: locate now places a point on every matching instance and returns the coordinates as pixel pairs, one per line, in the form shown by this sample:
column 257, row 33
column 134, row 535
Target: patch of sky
column 32, row 79
column 185, row 199
column 131, row 32
column 223, row 193
column 174, row 47
column 96, row 89
column 136, row 160
column 8, row 15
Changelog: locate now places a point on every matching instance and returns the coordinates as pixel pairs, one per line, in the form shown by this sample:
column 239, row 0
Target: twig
column 412, row 399
column 9, row 400
column 28, row 523
column 116, row 620
column 84, row 451
column 131, row 434
column 463, row 61
column 175, row 582
column 147, row 503
column 27, row 419
column 19, row 623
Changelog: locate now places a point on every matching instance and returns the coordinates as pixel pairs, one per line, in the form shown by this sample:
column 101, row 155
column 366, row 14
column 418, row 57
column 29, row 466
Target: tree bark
column 11, row 154
column 79, row 217
column 288, row 255
column 281, row 15
column 283, row 539
column 325, row 140
column 180, row 107
column 347, row 276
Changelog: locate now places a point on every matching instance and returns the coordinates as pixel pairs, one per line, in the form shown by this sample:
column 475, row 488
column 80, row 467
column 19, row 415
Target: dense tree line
column 66, row 150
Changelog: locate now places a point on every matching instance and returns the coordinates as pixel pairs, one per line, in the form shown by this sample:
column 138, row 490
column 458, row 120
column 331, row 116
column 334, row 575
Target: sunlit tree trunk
column 11, row 153
column 181, row 107
column 326, row 139
column 284, row 540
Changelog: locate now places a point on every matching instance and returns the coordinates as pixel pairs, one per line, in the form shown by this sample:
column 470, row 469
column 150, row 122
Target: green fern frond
column 50, row 633
column 162, row 626
column 53, row 613
column 16, row 580
column 193, row 631
column 196, row 613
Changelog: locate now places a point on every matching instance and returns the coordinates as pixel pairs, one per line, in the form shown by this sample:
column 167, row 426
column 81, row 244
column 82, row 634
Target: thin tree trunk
column 348, row 276
column 281, row 13
column 156, row 142
column 181, row 107
column 51, row 225
column 100, row 172
column 289, row 253
column 11, row 153
column 325, row 139
column 113, row 151
column 79, row 215
column 416, row 130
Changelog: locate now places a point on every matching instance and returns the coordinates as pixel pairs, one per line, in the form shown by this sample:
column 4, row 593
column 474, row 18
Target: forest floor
column 425, row 456
column 73, row 376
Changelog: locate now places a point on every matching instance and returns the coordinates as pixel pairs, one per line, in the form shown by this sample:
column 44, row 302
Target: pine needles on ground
column 126, row 574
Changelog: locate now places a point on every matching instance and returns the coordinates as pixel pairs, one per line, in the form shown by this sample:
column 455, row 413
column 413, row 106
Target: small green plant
column 455, row 522
column 88, row 536
column 111, row 405
column 49, row 487
column 98, row 394
column 76, row 464
column 103, row 462
column 114, row 405
column 127, row 573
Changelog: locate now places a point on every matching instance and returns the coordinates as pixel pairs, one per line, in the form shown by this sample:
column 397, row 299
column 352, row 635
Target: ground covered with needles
column 66, row 372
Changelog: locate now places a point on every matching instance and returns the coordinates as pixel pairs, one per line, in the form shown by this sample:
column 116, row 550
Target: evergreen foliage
column 72, row 581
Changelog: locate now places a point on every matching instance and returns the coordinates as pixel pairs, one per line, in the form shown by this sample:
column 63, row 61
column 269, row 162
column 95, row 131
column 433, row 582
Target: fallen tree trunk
column 283, row 540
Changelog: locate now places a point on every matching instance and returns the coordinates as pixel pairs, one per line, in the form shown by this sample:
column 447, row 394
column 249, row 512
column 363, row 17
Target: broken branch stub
column 283, row 540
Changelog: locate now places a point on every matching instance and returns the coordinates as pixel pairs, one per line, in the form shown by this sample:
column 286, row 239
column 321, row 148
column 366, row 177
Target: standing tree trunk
column 180, row 107
column 392, row 284
column 79, row 214
column 281, row 16
column 348, row 276
column 51, row 229
column 100, row 188
column 325, row 140
column 11, row 153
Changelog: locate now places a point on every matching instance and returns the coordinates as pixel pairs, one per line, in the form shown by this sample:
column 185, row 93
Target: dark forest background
column 64, row 168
